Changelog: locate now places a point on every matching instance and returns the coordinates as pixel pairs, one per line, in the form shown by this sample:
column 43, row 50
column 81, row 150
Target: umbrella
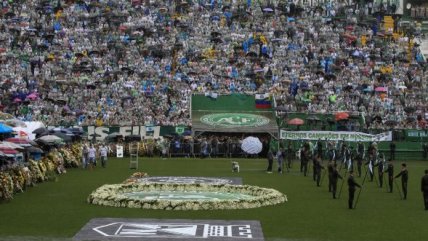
column 5, row 116
column 62, row 131
column 313, row 118
column 411, row 119
column 113, row 137
column 15, row 123
column 50, row 139
column 40, row 130
column 63, row 136
column 10, row 145
column 390, row 122
column 32, row 149
column 409, row 109
column 296, row 122
column 76, row 131
column 251, row 145
column 32, row 96
column 132, row 138
column 8, row 151
column 281, row 108
column 381, row 89
column 5, row 129
column 19, row 141
column 215, row 34
column 341, row 116
column 252, row 54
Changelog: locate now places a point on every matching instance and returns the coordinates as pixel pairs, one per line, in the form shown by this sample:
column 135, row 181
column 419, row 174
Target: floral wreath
column 114, row 195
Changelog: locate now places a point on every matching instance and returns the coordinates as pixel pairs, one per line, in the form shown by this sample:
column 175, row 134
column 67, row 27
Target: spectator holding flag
column 404, row 174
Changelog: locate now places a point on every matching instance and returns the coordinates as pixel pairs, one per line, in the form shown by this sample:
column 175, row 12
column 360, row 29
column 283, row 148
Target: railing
column 190, row 149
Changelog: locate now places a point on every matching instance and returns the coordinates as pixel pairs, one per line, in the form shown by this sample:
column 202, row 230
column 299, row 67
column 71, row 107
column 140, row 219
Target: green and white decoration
column 185, row 196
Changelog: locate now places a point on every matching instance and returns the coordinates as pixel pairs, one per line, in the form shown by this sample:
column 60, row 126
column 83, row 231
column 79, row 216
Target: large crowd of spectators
column 105, row 62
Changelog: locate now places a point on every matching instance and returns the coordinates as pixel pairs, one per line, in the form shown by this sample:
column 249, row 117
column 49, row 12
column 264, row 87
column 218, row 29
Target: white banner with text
column 335, row 136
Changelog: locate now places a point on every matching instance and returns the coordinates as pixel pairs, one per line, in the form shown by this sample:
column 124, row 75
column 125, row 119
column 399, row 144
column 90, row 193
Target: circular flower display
column 185, row 196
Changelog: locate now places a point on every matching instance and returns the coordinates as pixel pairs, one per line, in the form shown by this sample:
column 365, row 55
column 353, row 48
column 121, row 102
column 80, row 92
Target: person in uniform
column 330, row 169
column 425, row 150
column 319, row 148
column 404, row 174
column 317, row 167
column 390, row 171
column 280, row 159
column 360, row 157
column 334, row 178
column 314, row 167
column 369, row 163
column 380, row 166
column 424, row 188
column 331, row 152
column 305, row 156
column 270, row 161
column 392, row 150
column 290, row 153
column 352, row 186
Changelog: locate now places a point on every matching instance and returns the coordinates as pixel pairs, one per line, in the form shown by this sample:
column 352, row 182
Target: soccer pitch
column 58, row 210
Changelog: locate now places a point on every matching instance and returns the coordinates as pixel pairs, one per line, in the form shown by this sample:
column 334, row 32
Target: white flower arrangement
column 115, row 195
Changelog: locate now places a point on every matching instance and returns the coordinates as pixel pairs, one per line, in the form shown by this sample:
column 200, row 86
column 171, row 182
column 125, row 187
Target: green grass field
column 57, row 210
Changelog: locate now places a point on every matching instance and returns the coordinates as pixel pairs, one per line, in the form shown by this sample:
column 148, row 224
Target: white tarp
column 252, row 145
column 27, row 132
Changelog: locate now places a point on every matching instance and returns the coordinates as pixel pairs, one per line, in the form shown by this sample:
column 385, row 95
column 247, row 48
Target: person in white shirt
column 91, row 156
column 103, row 154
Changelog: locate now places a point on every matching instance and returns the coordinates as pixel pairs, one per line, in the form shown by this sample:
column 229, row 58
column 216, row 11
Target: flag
column 22, row 134
column 263, row 101
column 385, row 165
column 211, row 95
column 150, row 128
column 371, row 167
column 349, row 164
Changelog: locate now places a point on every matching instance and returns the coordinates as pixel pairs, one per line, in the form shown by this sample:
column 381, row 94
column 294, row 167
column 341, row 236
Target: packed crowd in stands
column 137, row 62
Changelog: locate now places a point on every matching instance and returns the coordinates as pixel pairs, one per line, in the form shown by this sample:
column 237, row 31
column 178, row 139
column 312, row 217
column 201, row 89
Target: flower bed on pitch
column 185, row 196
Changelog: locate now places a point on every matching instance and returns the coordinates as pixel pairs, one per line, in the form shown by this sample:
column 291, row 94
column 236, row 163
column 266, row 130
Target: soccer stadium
column 216, row 120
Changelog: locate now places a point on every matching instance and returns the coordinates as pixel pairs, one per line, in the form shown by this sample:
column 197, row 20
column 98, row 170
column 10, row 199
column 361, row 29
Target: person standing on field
column 103, row 155
column 424, row 188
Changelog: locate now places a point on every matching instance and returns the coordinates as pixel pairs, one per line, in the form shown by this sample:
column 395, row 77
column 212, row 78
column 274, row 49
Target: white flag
column 349, row 164
column 371, row 167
